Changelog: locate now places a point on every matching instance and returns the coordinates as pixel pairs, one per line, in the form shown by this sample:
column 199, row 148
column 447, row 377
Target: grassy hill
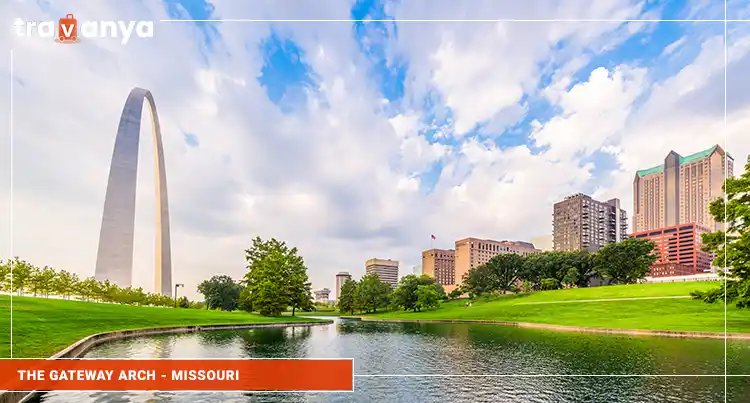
column 640, row 306
column 42, row 327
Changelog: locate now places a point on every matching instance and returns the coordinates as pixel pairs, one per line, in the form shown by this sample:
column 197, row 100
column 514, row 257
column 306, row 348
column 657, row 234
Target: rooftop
column 683, row 160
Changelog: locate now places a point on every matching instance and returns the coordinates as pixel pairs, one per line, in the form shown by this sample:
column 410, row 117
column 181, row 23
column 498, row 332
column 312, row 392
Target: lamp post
column 175, row 293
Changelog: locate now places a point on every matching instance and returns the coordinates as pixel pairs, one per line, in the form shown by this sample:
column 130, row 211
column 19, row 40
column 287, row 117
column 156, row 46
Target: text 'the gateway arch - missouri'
column 114, row 260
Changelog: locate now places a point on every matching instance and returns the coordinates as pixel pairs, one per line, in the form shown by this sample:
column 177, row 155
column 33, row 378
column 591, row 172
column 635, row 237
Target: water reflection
column 404, row 350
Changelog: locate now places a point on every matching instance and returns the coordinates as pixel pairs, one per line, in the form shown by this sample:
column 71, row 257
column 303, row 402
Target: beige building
column 472, row 252
column 440, row 264
column 387, row 270
column 321, row 295
column 543, row 243
column 341, row 278
column 680, row 190
column 581, row 223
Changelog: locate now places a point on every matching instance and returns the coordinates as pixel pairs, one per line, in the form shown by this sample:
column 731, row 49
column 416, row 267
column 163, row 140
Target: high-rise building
column 677, row 248
column 387, row 270
column 680, row 190
column 440, row 264
column 341, row 278
column 321, row 295
column 582, row 223
column 472, row 252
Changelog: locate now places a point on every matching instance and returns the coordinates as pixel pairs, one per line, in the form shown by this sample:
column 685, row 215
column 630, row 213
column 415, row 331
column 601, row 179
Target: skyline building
column 473, row 252
column 581, row 223
column 678, row 250
column 386, row 269
column 440, row 264
column 322, row 295
column 114, row 259
column 680, row 190
column 341, row 278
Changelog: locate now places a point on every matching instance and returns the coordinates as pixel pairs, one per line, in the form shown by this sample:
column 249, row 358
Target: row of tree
column 276, row 280
column 370, row 294
column 23, row 278
column 617, row 263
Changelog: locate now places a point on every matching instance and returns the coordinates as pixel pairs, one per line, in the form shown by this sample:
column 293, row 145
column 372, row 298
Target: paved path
column 600, row 300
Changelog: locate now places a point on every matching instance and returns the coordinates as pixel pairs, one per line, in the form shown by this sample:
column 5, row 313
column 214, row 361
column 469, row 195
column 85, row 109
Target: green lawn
column 653, row 314
column 42, row 327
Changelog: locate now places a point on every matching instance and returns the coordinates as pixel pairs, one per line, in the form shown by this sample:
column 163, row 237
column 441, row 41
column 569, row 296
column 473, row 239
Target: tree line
column 20, row 277
column 276, row 280
column 415, row 293
column 624, row 262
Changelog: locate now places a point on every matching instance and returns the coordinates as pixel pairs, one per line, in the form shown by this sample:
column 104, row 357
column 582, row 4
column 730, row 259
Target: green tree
column 405, row 295
column 346, row 299
column 5, row 276
column 371, row 293
column 65, row 283
column 220, row 292
column 427, row 297
column 499, row 274
column 184, row 303
column 275, row 262
column 46, row 280
column 625, row 262
column 21, row 273
column 571, row 277
column 549, row 284
column 244, row 302
column 732, row 244
column 455, row 293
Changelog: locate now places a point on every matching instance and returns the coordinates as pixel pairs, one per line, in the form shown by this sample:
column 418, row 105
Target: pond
column 405, row 362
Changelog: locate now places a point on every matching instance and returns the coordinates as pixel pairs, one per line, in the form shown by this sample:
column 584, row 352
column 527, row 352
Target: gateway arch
column 114, row 259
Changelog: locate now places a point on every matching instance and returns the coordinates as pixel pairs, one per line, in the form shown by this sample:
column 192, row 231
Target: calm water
column 472, row 350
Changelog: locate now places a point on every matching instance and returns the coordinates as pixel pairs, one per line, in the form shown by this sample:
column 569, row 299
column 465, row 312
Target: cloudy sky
column 354, row 140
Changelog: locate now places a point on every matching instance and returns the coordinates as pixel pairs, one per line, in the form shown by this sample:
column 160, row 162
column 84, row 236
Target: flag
column 432, row 236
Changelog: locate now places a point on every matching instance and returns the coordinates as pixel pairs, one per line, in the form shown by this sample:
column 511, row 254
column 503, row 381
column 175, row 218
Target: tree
column 5, row 275
column 64, row 283
column 455, row 293
column 549, row 284
column 406, row 296
column 427, row 297
column 220, row 292
column 625, row 262
column 244, row 302
column 276, row 275
column 46, row 280
column 371, row 293
column 184, row 303
column 499, row 274
column 21, row 273
column 571, row 277
column 346, row 299
column 731, row 245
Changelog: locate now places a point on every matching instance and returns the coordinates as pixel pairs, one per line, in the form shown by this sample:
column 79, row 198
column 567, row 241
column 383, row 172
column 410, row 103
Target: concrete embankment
column 631, row 332
column 82, row 346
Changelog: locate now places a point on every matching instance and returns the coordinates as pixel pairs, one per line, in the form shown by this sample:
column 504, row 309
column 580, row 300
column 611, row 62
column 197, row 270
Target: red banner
column 246, row 374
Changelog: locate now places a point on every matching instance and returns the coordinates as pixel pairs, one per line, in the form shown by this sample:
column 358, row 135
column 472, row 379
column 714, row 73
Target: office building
column 387, row 270
column 582, row 223
column 677, row 248
column 472, row 252
column 321, row 295
column 440, row 264
column 680, row 190
column 341, row 278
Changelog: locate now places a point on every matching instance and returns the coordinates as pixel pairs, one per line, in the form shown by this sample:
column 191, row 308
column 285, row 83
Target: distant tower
column 114, row 260
column 387, row 270
column 341, row 278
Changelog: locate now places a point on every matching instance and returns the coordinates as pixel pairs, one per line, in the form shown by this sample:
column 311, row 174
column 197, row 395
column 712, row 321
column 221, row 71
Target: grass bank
column 42, row 327
column 567, row 307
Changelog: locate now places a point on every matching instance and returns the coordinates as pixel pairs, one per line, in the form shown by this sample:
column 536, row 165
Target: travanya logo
column 69, row 31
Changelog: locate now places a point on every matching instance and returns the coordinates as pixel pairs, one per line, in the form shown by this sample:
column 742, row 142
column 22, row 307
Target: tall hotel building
column 680, row 190
column 440, row 264
column 387, row 270
column 582, row 223
column 341, row 278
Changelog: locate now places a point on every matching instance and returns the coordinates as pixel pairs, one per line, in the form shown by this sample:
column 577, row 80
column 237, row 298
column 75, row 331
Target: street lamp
column 175, row 293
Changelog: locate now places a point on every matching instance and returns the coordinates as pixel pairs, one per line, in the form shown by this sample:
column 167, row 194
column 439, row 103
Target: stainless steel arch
column 114, row 260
